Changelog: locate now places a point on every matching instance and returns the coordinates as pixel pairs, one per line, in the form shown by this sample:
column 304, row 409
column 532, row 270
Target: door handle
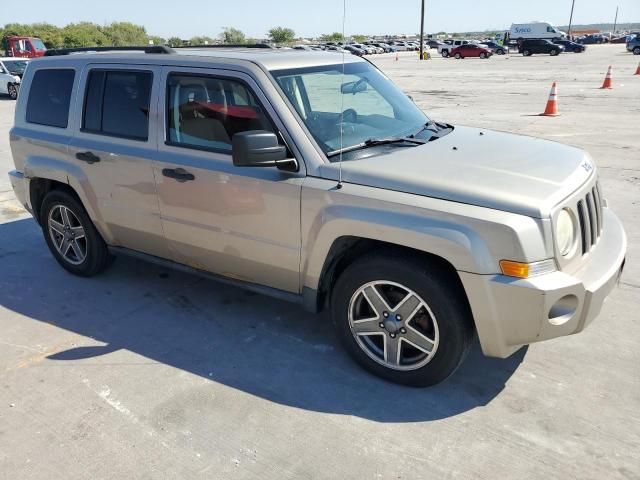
column 179, row 174
column 88, row 157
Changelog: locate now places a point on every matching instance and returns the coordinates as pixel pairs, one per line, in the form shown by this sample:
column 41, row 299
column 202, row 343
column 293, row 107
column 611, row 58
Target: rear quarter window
column 49, row 97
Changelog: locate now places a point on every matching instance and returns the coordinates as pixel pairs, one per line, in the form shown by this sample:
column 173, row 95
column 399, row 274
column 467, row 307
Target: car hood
column 503, row 171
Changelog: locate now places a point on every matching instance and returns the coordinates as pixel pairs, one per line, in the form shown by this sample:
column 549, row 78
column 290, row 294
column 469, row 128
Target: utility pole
column 615, row 22
column 422, row 31
column 573, row 2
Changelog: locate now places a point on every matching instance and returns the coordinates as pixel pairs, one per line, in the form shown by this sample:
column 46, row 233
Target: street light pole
column 615, row 22
column 422, row 31
column 573, row 2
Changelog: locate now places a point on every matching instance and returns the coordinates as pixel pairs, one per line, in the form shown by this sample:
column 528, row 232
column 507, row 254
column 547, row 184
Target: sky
column 188, row 18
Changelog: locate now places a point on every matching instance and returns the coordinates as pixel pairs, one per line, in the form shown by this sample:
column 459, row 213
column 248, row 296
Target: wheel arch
column 45, row 174
column 346, row 249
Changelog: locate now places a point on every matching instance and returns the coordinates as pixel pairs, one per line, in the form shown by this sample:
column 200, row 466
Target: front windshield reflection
column 368, row 104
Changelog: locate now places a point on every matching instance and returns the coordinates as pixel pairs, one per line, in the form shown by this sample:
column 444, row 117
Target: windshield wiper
column 374, row 142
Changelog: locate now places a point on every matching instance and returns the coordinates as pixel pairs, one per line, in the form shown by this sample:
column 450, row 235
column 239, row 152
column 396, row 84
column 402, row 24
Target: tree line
column 87, row 34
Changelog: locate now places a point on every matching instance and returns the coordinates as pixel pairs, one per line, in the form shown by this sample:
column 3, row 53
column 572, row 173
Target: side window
column 117, row 103
column 206, row 112
column 49, row 97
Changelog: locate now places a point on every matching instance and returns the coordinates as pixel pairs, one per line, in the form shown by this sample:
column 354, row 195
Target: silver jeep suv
column 300, row 176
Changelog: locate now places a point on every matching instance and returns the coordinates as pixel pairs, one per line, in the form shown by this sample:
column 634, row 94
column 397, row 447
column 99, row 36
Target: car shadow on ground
column 259, row 345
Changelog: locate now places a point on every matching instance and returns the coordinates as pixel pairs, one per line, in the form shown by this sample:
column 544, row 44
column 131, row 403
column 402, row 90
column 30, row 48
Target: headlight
column 565, row 232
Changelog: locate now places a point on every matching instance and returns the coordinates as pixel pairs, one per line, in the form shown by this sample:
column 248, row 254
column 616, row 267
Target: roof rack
column 146, row 49
column 230, row 45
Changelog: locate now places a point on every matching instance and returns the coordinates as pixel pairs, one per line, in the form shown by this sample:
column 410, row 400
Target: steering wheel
column 349, row 116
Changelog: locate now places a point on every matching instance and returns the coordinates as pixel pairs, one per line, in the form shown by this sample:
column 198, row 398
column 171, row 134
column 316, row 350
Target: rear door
column 114, row 145
column 239, row 222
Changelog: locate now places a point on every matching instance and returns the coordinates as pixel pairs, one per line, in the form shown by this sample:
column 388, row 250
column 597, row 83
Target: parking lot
column 144, row 372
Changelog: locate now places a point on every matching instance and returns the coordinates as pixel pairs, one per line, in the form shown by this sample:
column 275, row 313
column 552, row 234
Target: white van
column 535, row 30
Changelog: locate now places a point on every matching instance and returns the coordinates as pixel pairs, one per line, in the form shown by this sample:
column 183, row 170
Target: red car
column 470, row 50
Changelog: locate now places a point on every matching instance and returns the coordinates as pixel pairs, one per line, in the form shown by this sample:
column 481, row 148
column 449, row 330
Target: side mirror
column 353, row 87
column 257, row 148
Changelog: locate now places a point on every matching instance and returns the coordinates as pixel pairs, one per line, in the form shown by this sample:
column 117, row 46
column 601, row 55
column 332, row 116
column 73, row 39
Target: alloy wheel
column 67, row 234
column 393, row 325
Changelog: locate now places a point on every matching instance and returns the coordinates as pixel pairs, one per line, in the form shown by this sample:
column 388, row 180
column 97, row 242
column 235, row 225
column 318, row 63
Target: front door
column 239, row 222
column 114, row 144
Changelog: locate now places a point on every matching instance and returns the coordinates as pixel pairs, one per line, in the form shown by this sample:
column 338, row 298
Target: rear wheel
column 69, row 232
column 404, row 322
column 13, row 92
column 636, row 51
column 445, row 53
column 458, row 56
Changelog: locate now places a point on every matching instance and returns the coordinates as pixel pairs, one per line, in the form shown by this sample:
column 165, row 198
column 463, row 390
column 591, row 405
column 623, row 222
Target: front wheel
column 70, row 235
column 553, row 53
column 405, row 322
column 636, row 51
column 458, row 56
column 483, row 55
column 13, row 92
column 526, row 53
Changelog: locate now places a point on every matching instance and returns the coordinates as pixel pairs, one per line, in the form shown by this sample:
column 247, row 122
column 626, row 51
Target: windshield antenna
column 344, row 18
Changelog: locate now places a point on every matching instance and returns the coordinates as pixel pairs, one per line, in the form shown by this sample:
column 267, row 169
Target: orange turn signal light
column 526, row 270
column 514, row 269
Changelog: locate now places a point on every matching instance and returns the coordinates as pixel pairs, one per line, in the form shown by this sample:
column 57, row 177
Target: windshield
column 371, row 105
column 15, row 66
column 37, row 44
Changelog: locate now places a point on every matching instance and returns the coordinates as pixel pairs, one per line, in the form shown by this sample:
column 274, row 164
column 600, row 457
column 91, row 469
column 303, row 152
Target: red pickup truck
column 25, row 47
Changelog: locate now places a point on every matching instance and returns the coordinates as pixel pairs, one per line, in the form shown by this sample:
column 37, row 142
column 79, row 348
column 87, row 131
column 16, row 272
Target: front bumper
column 511, row 312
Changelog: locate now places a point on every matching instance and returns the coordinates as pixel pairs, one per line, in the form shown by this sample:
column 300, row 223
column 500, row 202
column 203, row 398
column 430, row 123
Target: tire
column 440, row 306
column 458, row 56
column 13, row 92
column 445, row 53
column 636, row 51
column 526, row 53
column 60, row 226
column 500, row 51
column 554, row 52
column 483, row 55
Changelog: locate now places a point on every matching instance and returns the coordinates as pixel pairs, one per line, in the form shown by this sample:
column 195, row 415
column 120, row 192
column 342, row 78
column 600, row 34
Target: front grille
column 590, row 218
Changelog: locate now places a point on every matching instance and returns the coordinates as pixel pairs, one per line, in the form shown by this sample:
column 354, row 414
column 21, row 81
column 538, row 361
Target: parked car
column 470, row 50
column 199, row 163
column 382, row 47
column 365, row 48
column 595, row 39
column 354, row 50
column 530, row 47
column 633, row 45
column 433, row 43
column 495, row 47
column 571, row 46
column 11, row 71
column 14, row 66
column 445, row 49
column 400, row 46
column 337, row 49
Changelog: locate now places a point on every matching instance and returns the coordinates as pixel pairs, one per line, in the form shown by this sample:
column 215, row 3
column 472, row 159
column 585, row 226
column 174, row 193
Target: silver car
column 292, row 174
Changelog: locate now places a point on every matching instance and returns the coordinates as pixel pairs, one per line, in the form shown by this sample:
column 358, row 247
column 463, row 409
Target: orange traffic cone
column 607, row 80
column 637, row 70
column 552, row 103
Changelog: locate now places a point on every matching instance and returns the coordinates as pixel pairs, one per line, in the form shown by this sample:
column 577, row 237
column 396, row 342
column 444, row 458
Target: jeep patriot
column 310, row 176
